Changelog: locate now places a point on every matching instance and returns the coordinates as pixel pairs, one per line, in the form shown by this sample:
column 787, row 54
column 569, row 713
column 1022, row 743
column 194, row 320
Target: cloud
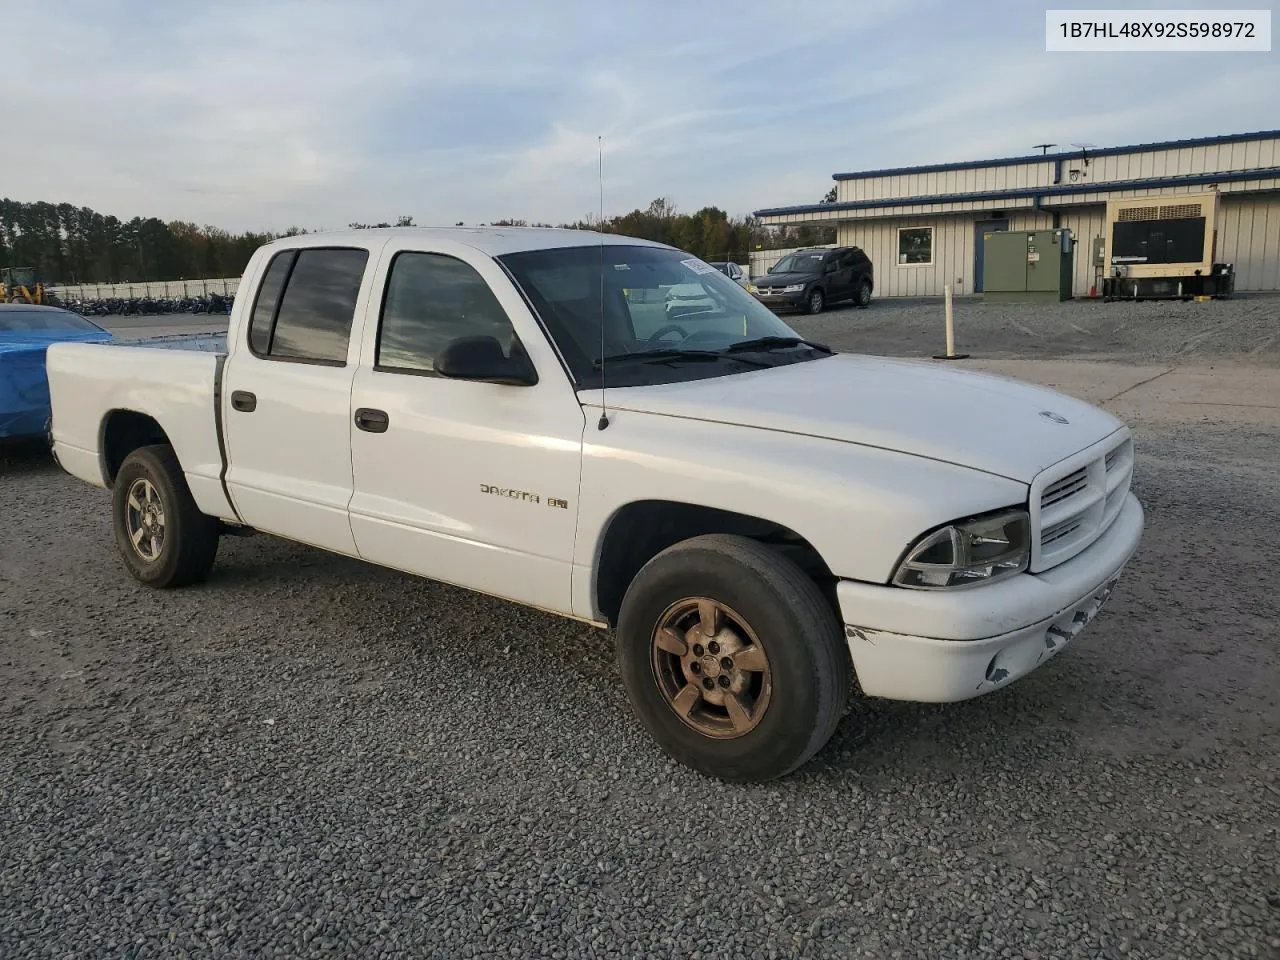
column 269, row 113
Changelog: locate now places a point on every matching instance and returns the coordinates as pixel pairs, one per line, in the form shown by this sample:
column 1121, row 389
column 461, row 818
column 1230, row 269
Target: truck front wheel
column 732, row 658
column 162, row 536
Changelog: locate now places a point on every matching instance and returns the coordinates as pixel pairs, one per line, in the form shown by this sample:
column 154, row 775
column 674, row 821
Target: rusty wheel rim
column 144, row 519
column 711, row 668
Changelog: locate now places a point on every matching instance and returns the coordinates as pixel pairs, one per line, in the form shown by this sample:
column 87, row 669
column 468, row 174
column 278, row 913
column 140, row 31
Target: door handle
column 372, row 421
column 244, row 401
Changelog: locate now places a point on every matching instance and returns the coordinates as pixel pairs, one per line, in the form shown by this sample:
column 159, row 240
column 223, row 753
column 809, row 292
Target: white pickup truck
column 532, row 414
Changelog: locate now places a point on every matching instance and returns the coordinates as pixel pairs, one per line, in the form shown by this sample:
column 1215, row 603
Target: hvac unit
column 1160, row 248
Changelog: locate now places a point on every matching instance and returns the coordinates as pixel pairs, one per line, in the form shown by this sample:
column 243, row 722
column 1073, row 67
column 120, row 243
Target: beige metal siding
column 1248, row 219
column 967, row 180
column 1030, row 220
column 1249, row 237
column 1136, row 165
column 1085, row 223
column 952, row 255
column 981, row 206
column 1131, row 166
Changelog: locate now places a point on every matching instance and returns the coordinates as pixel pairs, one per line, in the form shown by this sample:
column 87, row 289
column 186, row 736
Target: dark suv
column 810, row 280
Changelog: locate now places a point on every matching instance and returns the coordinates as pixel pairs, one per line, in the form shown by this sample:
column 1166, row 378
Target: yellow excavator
column 20, row 285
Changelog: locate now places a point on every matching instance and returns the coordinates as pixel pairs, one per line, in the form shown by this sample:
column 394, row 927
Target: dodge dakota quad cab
column 518, row 412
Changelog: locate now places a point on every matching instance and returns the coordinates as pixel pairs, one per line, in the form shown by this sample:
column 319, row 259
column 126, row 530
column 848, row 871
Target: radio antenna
column 604, row 410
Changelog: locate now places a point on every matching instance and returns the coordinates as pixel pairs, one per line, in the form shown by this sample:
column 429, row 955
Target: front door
column 468, row 482
column 980, row 230
column 286, row 394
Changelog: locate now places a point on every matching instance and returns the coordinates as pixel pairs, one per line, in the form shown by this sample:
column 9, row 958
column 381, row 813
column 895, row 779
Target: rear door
column 468, row 482
column 840, row 279
column 861, row 268
column 287, row 392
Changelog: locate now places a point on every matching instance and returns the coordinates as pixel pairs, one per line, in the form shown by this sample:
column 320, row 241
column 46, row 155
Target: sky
column 265, row 114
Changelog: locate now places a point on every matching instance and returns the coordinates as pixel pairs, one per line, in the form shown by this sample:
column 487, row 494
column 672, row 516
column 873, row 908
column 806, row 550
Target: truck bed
column 163, row 385
column 201, row 342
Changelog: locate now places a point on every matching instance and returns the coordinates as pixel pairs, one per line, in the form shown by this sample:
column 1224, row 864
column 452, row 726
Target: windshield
column 654, row 302
column 46, row 320
column 799, row 263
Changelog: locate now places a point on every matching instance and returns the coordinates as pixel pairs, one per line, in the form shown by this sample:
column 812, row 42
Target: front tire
column 163, row 538
column 732, row 658
column 816, row 301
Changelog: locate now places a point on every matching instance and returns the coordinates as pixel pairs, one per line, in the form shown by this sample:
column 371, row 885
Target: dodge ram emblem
column 1055, row 417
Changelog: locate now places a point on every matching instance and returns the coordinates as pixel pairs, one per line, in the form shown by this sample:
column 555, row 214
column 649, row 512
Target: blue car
column 25, row 333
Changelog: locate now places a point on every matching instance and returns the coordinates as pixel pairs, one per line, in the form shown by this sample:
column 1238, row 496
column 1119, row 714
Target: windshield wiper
column 773, row 343
column 668, row 354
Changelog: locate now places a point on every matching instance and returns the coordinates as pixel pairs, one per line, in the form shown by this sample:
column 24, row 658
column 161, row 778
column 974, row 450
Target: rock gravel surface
column 311, row 757
column 1247, row 327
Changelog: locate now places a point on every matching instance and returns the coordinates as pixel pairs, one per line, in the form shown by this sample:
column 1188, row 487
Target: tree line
column 69, row 244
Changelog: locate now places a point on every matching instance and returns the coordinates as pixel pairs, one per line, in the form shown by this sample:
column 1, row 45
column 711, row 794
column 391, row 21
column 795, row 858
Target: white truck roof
column 494, row 241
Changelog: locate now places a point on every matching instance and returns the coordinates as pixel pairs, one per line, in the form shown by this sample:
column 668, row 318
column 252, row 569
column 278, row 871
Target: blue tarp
column 24, row 387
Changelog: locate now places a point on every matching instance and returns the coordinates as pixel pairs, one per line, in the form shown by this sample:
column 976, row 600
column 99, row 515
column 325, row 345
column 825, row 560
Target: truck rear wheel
column 162, row 536
column 732, row 658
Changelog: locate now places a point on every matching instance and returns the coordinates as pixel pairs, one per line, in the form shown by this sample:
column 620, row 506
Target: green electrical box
column 1027, row 265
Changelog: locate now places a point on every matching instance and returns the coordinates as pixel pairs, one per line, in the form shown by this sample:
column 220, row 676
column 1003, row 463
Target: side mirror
column 481, row 359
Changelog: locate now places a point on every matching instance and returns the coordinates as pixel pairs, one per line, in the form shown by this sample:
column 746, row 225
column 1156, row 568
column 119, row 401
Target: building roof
column 493, row 241
column 1043, row 192
column 1061, row 155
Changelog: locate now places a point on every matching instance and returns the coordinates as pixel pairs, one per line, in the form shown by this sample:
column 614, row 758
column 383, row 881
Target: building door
column 980, row 229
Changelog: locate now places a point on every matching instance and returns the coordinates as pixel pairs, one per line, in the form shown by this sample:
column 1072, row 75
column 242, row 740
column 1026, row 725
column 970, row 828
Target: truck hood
column 976, row 420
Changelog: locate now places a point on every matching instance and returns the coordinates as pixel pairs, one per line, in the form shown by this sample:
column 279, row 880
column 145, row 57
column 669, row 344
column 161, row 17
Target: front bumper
column 940, row 646
column 781, row 301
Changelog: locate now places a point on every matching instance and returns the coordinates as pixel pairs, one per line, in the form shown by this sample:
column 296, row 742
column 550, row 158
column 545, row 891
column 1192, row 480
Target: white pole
column 951, row 325
column 951, row 329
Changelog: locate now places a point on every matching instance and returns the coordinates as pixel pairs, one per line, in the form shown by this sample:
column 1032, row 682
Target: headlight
column 793, row 288
column 968, row 552
column 751, row 288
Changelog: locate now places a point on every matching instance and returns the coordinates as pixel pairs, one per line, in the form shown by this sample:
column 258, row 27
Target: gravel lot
column 1247, row 327
column 310, row 756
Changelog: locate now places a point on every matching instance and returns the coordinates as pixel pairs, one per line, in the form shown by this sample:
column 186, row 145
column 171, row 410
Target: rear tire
column 816, row 302
column 774, row 646
column 863, row 297
column 163, row 538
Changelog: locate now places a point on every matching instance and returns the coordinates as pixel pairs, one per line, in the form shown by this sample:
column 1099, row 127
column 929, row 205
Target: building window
column 915, row 246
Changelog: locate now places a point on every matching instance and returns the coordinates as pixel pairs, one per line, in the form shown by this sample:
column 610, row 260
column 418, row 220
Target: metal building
column 923, row 226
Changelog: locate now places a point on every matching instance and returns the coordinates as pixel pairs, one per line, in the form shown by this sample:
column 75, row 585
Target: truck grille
column 1065, row 488
column 1074, row 502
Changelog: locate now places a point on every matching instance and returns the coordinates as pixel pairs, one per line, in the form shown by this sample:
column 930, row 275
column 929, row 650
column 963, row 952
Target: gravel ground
column 310, row 756
column 1247, row 327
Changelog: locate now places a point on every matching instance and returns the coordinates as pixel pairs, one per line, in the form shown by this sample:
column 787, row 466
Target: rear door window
column 264, row 309
column 310, row 321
